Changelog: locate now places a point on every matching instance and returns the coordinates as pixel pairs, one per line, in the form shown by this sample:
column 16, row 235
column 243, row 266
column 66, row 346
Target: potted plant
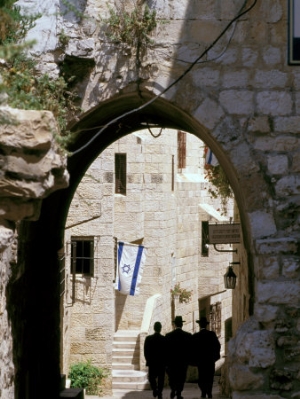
column 182, row 294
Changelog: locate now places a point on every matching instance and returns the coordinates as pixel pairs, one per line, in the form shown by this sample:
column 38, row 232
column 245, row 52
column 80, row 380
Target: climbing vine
column 221, row 188
column 131, row 27
column 25, row 88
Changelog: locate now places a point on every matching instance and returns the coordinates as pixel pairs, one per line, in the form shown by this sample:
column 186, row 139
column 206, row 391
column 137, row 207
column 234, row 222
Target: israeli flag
column 210, row 158
column 131, row 260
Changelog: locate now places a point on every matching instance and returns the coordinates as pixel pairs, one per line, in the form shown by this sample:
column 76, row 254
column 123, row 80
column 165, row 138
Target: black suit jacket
column 155, row 350
column 205, row 347
column 178, row 344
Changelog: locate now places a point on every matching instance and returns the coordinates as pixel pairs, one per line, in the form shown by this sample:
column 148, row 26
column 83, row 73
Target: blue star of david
column 126, row 268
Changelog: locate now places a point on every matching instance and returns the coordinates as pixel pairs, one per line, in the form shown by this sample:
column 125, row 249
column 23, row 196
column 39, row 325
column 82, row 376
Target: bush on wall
column 85, row 375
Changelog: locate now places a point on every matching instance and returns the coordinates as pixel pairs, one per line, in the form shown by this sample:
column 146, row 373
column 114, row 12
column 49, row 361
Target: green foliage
column 222, row 189
column 132, row 28
column 183, row 294
column 85, row 375
column 63, row 38
column 13, row 24
column 27, row 89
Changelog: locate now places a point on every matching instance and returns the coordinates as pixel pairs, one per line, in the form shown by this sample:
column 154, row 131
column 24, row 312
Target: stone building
column 225, row 71
column 163, row 202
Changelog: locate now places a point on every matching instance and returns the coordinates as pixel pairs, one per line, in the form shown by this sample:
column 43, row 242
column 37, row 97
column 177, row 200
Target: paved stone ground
column 191, row 391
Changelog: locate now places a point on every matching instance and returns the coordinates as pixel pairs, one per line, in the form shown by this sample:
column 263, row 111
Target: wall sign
column 224, row 233
column 294, row 32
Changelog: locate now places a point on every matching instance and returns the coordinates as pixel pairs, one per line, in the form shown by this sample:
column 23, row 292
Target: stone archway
column 40, row 241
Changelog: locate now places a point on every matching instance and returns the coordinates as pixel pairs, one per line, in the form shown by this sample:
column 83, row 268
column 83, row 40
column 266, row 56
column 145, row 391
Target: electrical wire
column 195, row 62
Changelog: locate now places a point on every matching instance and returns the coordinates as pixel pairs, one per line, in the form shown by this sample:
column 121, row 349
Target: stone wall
column 167, row 221
column 242, row 99
column 32, row 167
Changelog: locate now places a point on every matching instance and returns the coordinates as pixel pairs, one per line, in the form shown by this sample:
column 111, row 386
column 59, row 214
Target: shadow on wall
column 120, row 304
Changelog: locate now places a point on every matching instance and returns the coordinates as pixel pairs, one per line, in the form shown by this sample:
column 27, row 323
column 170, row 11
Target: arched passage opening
column 40, row 241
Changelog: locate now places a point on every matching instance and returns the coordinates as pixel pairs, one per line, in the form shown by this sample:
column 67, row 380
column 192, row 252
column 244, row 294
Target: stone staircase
column 125, row 362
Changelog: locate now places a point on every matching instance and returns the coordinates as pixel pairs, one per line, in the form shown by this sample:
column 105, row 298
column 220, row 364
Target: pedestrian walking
column 178, row 349
column 155, row 355
column 205, row 352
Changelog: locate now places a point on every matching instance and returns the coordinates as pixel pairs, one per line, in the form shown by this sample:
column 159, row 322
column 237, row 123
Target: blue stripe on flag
column 136, row 270
column 120, row 250
column 209, row 158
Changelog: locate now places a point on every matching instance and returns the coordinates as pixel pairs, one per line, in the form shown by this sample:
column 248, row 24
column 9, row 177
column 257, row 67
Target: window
column 204, row 239
column 181, row 149
column 82, row 255
column 215, row 318
column 294, row 32
column 120, row 174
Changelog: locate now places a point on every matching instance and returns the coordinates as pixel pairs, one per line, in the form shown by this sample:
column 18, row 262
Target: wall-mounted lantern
column 230, row 277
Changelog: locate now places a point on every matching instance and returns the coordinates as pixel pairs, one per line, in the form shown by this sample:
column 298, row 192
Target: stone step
column 130, row 386
column 125, row 362
column 129, row 376
column 125, row 344
column 124, row 353
column 124, row 366
column 126, row 335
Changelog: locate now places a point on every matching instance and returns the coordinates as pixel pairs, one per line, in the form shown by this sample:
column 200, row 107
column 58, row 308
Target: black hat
column 178, row 319
column 203, row 321
column 157, row 326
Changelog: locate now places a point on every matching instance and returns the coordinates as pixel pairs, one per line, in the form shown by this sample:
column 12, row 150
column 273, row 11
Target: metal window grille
column 120, row 174
column 215, row 318
column 82, row 256
column 181, row 148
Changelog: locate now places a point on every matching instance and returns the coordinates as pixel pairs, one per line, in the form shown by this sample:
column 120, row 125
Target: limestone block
column 287, row 124
column 235, row 79
column 272, row 55
column 278, row 165
column 275, row 246
column 252, row 346
column 291, row 268
column 238, row 102
column 265, row 313
column 270, row 79
column 274, row 102
column 81, row 48
column 44, row 31
column 259, row 124
column 249, row 56
column 268, row 268
column 262, row 224
column 271, row 11
column 288, row 185
column 209, row 113
column 287, row 292
column 241, row 378
column 286, row 144
column 6, row 236
column 15, row 209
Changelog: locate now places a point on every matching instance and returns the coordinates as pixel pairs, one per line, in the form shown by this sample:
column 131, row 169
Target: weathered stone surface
column 286, row 292
column 243, row 97
column 262, row 224
column 252, row 346
column 31, row 164
column 242, row 379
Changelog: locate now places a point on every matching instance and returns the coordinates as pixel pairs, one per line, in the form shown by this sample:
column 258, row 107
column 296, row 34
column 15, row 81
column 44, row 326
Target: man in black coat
column 205, row 351
column 178, row 350
column 154, row 352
